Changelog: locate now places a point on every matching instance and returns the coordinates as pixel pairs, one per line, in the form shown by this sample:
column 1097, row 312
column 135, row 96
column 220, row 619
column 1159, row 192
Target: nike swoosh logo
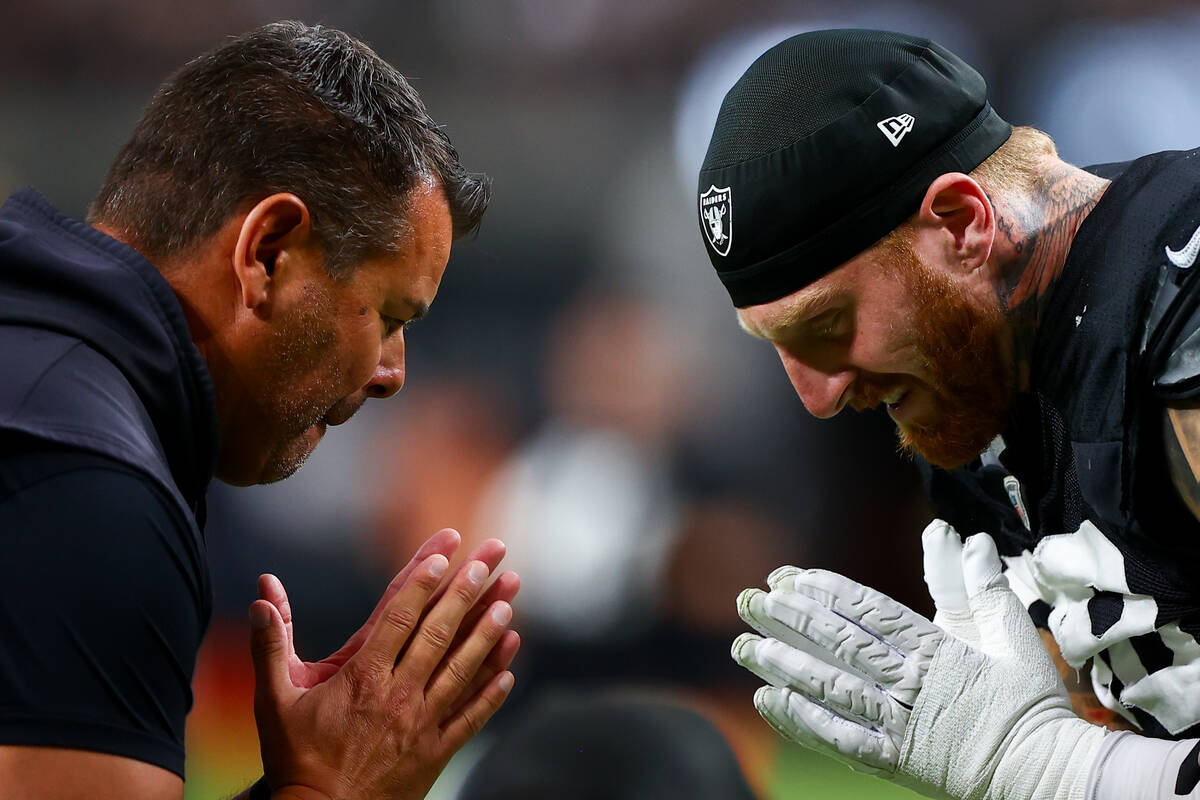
column 1186, row 256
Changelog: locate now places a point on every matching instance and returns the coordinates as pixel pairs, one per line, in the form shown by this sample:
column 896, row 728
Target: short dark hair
column 284, row 108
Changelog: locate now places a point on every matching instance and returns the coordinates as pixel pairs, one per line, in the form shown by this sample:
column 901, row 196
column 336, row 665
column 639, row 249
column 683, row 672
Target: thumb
column 981, row 568
column 1005, row 629
column 943, row 559
column 269, row 650
column 944, row 566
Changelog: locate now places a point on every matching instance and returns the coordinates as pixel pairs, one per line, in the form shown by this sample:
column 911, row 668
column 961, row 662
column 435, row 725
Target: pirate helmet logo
column 716, row 213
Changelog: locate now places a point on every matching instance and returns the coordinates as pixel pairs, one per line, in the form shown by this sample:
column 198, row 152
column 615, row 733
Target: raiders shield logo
column 716, row 211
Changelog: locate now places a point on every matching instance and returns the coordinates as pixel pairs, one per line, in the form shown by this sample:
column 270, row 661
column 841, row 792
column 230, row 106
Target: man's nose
column 389, row 372
column 822, row 389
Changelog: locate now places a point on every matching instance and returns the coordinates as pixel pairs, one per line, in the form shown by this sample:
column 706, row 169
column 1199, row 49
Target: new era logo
column 895, row 128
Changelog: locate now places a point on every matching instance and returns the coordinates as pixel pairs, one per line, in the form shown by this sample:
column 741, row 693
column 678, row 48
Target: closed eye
column 391, row 325
column 828, row 325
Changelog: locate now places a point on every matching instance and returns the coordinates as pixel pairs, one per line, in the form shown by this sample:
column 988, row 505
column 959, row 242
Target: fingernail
column 437, row 565
column 477, row 572
column 260, row 617
column 501, row 613
column 506, row 682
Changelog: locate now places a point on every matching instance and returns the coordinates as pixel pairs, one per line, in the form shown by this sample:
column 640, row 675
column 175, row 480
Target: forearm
column 1132, row 767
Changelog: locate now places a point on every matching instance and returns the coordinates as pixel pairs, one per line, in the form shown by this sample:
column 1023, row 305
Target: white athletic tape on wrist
column 997, row 729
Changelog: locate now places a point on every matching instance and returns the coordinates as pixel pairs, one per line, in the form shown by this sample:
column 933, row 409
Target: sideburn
column 961, row 340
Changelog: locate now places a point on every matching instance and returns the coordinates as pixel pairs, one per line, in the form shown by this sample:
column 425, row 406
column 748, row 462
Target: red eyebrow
column 798, row 312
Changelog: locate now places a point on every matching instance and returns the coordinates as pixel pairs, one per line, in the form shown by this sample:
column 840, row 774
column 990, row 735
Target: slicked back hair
column 284, row 108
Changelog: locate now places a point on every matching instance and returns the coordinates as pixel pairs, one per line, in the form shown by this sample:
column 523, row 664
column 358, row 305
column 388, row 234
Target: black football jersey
column 1077, row 493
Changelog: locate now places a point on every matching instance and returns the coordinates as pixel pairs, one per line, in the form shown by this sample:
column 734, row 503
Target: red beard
column 961, row 340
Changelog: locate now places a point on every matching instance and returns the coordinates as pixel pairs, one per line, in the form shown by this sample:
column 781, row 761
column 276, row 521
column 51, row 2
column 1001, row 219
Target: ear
column 956, row 205
column 276, row 229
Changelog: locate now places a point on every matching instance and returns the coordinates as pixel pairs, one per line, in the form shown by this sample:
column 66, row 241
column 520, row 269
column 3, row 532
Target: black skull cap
column 827, row 143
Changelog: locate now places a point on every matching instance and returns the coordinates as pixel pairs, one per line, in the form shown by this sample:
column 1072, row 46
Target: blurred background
column 581, row 389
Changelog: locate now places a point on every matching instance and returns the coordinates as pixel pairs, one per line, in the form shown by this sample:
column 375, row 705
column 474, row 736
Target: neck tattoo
column 1037, row 229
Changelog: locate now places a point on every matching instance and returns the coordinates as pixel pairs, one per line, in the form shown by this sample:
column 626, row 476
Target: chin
column 947, row 448
column 286, row 461
column 285, row 467
column 280, row 462
column 279, row 471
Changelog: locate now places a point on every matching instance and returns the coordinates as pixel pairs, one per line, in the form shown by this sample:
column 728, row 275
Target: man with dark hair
column 1031, row 329
column 308, row 110
column 283, row 209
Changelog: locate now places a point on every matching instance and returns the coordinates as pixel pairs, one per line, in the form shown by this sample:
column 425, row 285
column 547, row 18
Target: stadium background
column 581, row 388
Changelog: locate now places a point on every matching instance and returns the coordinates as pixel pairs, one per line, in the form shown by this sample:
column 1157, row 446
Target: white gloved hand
column 860, row 677
column 944, row 577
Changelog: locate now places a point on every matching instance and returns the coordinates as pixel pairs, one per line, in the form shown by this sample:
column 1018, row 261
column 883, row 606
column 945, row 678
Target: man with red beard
column 1029, row 327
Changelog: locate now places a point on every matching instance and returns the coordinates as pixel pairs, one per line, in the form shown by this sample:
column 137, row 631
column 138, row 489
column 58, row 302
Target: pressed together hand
column 974, row 709
column 383, row 715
